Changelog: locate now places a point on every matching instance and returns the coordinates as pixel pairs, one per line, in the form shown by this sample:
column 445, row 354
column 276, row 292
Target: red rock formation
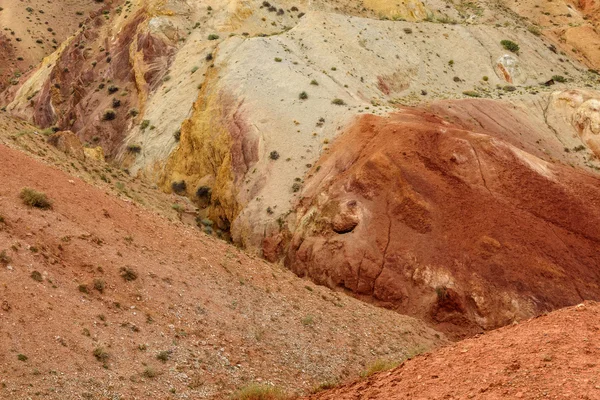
column 458, row 227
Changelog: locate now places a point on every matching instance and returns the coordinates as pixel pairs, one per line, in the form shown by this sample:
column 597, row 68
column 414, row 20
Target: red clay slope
column 454, row 226
column 200, row 320
column 551, row 357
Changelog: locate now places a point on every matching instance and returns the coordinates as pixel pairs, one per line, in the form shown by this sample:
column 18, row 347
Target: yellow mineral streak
column 205, row 150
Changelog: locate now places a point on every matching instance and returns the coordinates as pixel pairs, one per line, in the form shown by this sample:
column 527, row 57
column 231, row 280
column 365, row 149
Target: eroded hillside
column 101, row 297
column 267, row 114
column 33, row 29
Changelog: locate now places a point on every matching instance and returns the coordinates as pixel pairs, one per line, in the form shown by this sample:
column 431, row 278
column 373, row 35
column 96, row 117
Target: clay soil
column 102, row 298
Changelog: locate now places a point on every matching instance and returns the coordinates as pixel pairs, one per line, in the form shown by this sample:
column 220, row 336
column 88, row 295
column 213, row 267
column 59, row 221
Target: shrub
column 338, row 102
column 259, row 392
column 177, row 135
column 150, row 372
column 277, row 59
column 213, row 36
column 145, row 123
column 559, row 78
column 164, row 355
column 22, row 357
column 471, row 93
column 510, row 45
column 179, row 187
column 83, row 289
column 4, row 258
column 116, row 103
column 274, row 155
column 407, row 30
column 303, row 96
column 100, row 354
column 535, row 30
column 36, row 276
column 99, row 285
column 109, row 115
column 34, row 198
column 314, row 82
column 128, row 274
column 134, row 112
column 203, row 192
column 378, row 366
column 134, row 148
column 112, row 89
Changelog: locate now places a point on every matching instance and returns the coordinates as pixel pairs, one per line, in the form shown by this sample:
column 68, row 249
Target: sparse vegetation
column 33, row 198
column 559, row 78
column 378, row 366
column 274, row 155
column 303, row 96
column 338, row 102
column 213, row 36
column 259, row 392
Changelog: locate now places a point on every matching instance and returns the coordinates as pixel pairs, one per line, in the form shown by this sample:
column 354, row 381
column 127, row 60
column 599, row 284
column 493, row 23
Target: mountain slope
column 101, row 297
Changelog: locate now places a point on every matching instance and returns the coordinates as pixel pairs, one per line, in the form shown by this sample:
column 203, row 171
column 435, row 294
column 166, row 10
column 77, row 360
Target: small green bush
column 471, row 93
column 559, row 78
column 213, row 36
column 510, row 45
column 303, row 96
column 34, row 198
column 535, row 30
column 338, row 102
